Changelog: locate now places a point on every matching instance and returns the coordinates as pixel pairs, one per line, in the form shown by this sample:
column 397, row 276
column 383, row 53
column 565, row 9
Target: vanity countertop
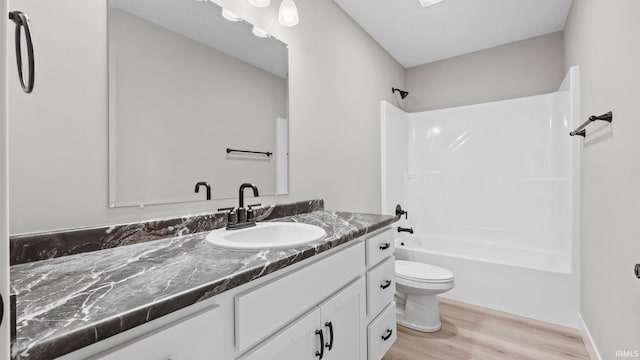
column 70, row 302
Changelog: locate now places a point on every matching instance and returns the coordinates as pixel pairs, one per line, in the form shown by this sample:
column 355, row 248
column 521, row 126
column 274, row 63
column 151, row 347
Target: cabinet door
column 344, row 315
column 193, row 338
column 296, row 342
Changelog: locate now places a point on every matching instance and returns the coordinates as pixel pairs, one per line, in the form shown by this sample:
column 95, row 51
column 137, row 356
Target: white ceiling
column 414, row 35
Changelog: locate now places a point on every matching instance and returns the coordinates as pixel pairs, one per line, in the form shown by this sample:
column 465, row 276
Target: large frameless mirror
column 187, row 89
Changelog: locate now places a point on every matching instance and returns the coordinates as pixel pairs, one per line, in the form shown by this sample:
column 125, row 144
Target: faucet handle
column 232, row 217
column 251, row 213
column 400, row 212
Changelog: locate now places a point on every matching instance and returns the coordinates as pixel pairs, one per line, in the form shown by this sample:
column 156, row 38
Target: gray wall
column 529, row 67
column 58, row 149
column 601, row 36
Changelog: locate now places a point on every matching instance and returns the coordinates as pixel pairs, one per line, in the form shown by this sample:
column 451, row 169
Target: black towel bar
column 249, row 152
column 608, row 117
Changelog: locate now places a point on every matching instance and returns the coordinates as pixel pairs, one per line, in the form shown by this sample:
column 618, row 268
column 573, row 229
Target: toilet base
column 419, row 312
column 428, row 329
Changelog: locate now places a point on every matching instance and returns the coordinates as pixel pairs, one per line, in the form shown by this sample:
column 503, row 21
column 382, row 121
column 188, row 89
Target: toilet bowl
column 417, row 287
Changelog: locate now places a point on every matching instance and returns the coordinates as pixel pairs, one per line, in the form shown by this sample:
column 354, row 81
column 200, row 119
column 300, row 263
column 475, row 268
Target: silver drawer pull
column 385, row 246
column 385, row 284
column 387, row 336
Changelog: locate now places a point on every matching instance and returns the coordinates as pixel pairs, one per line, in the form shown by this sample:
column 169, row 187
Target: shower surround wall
column 492, row 192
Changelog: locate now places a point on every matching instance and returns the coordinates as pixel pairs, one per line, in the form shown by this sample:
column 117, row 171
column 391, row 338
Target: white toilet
column 417, row 287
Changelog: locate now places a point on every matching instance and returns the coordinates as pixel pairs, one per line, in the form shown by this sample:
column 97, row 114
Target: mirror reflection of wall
column 185, row 85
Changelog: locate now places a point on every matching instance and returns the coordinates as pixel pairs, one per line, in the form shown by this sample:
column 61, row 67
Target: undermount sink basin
column 267, row 235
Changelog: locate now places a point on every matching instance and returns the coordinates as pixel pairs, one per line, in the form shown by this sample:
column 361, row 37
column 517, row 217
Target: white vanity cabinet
column 333, row 330
column 336, row 306
column 363, row 318
column 262, row 311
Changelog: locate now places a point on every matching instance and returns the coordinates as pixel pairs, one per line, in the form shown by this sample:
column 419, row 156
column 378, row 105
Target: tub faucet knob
column 400, row 212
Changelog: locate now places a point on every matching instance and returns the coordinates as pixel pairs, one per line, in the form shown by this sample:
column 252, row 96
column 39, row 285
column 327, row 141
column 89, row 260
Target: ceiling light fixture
column 260, row 3
column 230, row 16
column 426, row 3
column 259, row 32
column 288, row 13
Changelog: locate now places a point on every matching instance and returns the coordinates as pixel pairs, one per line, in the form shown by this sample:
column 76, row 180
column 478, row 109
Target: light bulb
column 288, row 13
column 229, row 15
column 259, row 32
column 260, row 3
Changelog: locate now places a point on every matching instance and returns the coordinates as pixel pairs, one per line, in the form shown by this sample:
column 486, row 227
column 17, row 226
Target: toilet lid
column 420, row 272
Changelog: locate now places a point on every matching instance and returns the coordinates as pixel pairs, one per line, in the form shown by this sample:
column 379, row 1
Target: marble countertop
column 71, row 302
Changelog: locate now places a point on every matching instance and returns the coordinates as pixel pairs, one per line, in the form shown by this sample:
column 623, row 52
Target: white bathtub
column 491, row 252
column 528, row 283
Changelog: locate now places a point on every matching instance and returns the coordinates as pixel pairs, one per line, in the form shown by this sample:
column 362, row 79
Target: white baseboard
column 588, row 340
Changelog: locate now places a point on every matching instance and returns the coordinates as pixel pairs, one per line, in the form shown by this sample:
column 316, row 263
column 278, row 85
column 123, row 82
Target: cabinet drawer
column 381, row 286
column 379, row 247
column 262, row 311
column 193, row 338
column 382, row 333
